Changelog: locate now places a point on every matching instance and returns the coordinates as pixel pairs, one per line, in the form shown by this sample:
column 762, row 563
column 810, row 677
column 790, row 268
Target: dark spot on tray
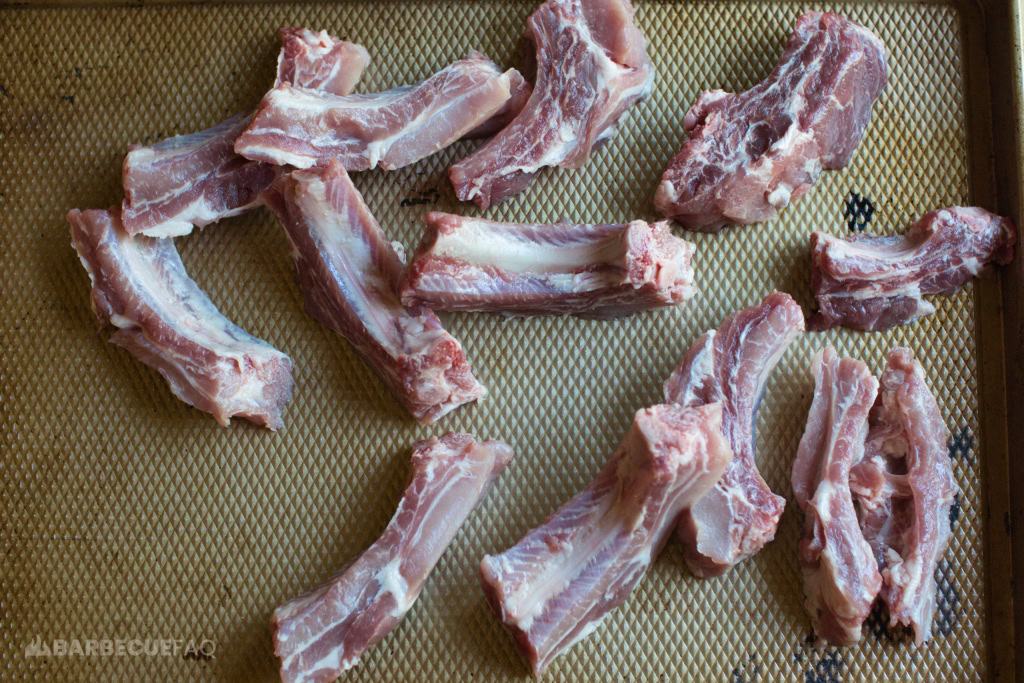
column 857, row 211
column 747, row 671
column 429, row 196
column 877, row 624
column 197, row 655
column 68, row 98
column 961, row 446
column 954, row 510
column 947, row 598
column 828, row 668
column 78, row 72
column 3, row 90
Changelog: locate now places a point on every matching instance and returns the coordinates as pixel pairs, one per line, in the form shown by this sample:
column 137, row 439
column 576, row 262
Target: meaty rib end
column 437, row 380
column 905, row 519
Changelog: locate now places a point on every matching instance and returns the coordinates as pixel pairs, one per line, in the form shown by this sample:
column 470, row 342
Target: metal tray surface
column 126, row 514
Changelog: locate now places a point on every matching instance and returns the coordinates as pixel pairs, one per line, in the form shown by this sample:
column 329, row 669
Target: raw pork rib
column 391, row 129
column 520, row 91
column 905, row 488
column 749, row 155
column 198, row 179
column 140, row 287
column 349, row 274
column 592, row 66
column 191, row 180
column 325, row 632
column 731, row 365
column 319, row 61
column 553, row 588
column 874, row 283
column 599, row 271
column 841, row 578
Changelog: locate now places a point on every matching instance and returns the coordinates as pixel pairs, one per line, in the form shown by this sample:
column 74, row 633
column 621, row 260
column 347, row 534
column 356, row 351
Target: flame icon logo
column 37, row 648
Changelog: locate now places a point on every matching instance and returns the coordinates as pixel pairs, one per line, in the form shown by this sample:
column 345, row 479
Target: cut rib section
column 198, row 179
column 349, row 275
column 392, row 129
column 140, row 287
column 592, row 66
column 323, row 633
column 731, row 366
column 749, row 155
column 841, row 578
column 904, row 488
column 875, row 283
column 596, row 271
column 554, row 587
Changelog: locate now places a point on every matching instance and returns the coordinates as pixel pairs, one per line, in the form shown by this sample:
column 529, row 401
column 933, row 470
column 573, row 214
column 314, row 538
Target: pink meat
column 874, row 283
column 324, row 632
column 731, row 366
column 519, row 91
column 904, row 489
column 553, row 588
column 140, row 287
column 197, row 179
column 306, row 128
column 592, row 66
column 841, row 578
column 349, row 274
column 749, row 154
column 319, row 61
column 597, row 271
column 191, row 180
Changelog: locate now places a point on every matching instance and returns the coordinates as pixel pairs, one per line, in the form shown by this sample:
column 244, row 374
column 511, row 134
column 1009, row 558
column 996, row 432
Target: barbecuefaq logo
column 122, row 647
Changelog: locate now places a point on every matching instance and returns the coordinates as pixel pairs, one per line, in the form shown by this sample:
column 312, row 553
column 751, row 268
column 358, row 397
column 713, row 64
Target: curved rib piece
column 391, row 129
column 592, row 66
column 749, row 155
column 324, row 632
column 349, row 274
column 197, row 179
column 553, row 588
column 596, row 271
column 841, row 578
column 140, row 287
column 731, row 365
column 874, row 283
column 905, row 488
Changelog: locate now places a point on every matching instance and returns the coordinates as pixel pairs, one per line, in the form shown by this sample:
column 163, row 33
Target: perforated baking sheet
column 127, row 515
